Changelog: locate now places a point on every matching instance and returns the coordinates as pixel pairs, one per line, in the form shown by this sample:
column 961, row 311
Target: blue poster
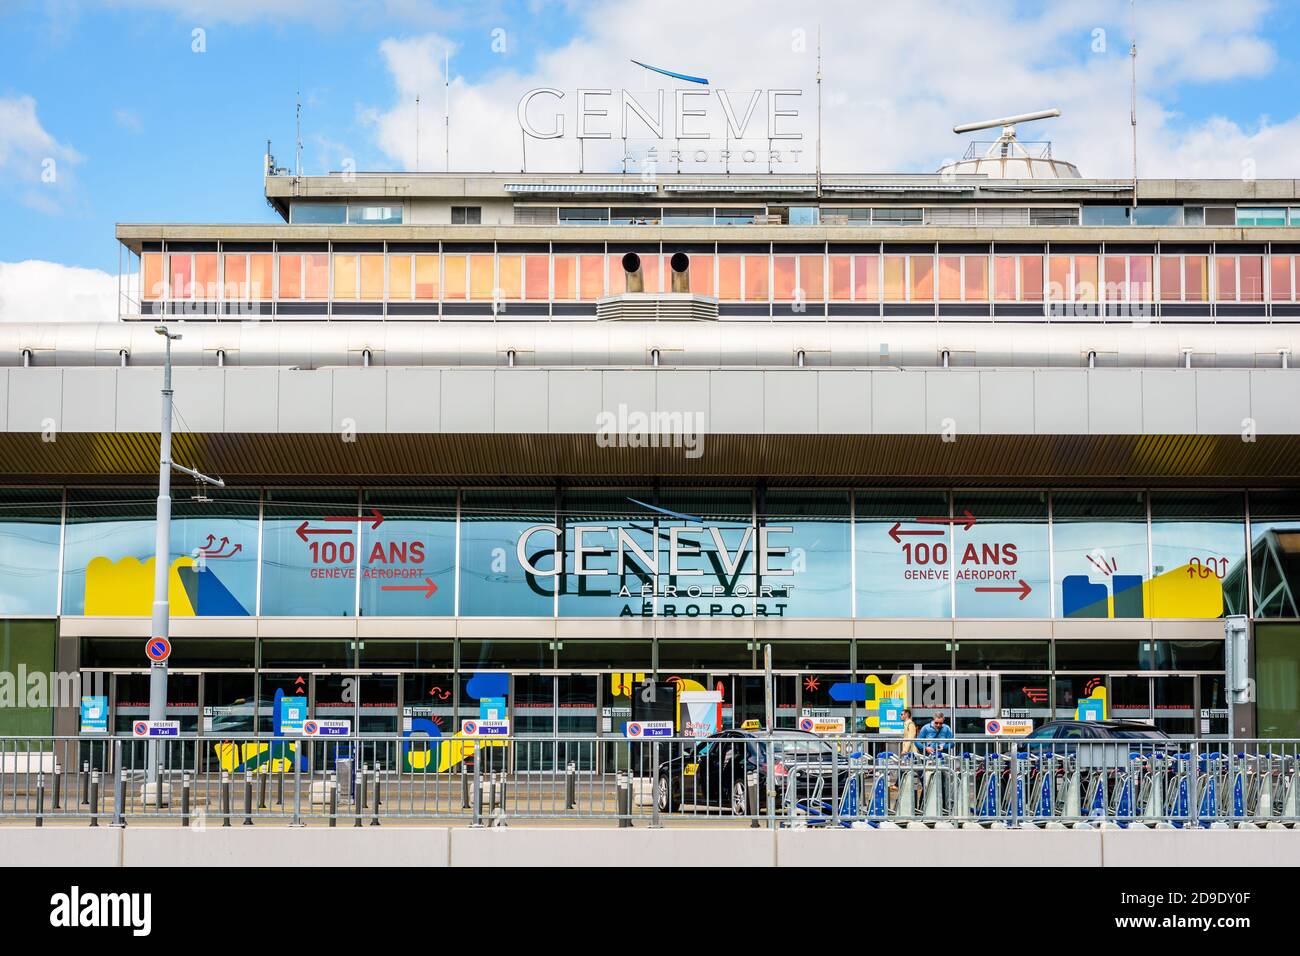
column 94, row 715
column 492, row 708
column 293, row 711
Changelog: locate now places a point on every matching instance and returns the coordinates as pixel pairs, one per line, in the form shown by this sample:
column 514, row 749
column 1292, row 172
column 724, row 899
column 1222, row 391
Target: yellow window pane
column 399, row 277
column 345, row 276
column 866, row 278
column 455, row 269
column 481, row 281
column 895, row 270
column 372, row 277
column 426, row 278
column 510, row 275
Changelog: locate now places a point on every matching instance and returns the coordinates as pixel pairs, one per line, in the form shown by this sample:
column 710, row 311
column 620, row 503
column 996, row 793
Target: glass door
column 577, row 716
column 532, row 709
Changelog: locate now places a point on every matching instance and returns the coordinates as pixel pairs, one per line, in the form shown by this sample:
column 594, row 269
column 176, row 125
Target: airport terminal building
column 542, row 436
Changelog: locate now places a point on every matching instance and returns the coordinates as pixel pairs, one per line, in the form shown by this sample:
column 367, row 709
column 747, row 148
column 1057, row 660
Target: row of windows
column 687, row 554
column 430, row 276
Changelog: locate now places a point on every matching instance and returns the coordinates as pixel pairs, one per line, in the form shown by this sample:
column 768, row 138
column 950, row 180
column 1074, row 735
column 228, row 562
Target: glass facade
column 638, row 552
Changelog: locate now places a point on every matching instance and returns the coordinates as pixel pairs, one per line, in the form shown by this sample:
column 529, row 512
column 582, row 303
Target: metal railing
column 783, row 779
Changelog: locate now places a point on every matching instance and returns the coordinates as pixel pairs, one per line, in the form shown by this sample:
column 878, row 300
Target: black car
column 714, row 773
column 1097, row 730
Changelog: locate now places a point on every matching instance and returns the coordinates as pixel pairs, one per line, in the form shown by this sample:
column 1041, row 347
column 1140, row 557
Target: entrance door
column 532, row 708
column 577, row 716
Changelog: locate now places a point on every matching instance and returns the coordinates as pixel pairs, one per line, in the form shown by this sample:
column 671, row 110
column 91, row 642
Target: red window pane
column 1225, row 278
column 1252, row 278
column 1141, row 282
column 1031, row 278
column 537, row 278
column 1171, row 279
column 1196, row 279
column 1279, row 278
column 1116, row 281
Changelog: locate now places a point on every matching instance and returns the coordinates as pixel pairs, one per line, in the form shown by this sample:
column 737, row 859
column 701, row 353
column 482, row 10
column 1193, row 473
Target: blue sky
column 144, row 129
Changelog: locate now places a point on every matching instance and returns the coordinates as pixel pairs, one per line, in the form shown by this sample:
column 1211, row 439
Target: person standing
column 909, row 733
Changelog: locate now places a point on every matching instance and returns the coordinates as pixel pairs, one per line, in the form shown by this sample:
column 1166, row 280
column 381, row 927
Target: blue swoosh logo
column 665, row 511
column 676, row 76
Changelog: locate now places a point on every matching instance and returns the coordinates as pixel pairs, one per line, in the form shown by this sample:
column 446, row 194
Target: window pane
column 1225, row 278
column 903, row 566
column 565, row 278
column 812, row 278
column 537, row 278
column 1252, row 278
column 1275, row 552
column 29, row 551
column 841, row 278
column 1196, row 279
column 756, row 278
column 1140, row 280
column 510, row 271
column 701, row 275
column 426, row 277
column 818, row 552
column 783, row 278
column 205, row 275
column 922, row 285
column 236, row 269
column 1171, row 271
column 866, row 278
column 895, row 283
column 1116, row 277
column 977, row 279
column 481, row 281
column 950, row 278
column 592, row 269
column 345, row 277
column 291, row 276
column 316, row 275
column 372, row 277
column 1058, row 278
column 1100, row 545
column 492, row 581
column 180, row 270
column 260, row 265
column 324, row 214
column 152, row 266
column 454, row 277
column 1004, row 278
column 399, row 276
column 1085, row 278
column 318, row 576
column 1031, row 278
column 415, row 544
column 1001, row 557
column 1198, row 554
column 1280, row 278
column 729, row 278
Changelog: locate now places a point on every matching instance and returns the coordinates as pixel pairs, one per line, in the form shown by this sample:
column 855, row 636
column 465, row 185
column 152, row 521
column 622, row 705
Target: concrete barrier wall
column 677, row 846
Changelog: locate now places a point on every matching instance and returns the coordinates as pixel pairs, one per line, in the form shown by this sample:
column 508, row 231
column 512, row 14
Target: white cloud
column 35, row 168
column 897, row 77
column 37, row 291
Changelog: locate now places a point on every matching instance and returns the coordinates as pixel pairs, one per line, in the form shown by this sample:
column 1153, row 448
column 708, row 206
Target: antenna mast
column 417, row 132
column 297, row 124
column 1132, row 115
column 446, row 106
column 819, row 109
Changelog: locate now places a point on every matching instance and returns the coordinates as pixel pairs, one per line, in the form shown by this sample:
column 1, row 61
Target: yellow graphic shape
column 882, row 691
column 622, row 682
column 1182, row 592
column 1098, row 693
column 124, row 588
column 684, row 684
column 451, row 750
column 232, row 756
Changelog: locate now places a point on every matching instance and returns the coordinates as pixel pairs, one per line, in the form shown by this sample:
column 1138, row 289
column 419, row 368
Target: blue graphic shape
column 488, row 684
column 1128, row 595
column 215, row 599
column 845, row 692
column 1082, row 598
column 676, row 76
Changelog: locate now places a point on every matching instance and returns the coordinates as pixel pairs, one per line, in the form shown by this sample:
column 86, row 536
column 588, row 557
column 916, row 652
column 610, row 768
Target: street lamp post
column 161, row 625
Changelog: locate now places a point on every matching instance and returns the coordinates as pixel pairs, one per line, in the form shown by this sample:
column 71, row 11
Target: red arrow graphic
column 428, row 587
column 896, row 534
column 303, row 531
column 1023, row 588
column 375, row 518
column 966, row 520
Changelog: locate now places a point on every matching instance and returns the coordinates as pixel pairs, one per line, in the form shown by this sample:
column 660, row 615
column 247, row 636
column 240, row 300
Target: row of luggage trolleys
column 1084, row 787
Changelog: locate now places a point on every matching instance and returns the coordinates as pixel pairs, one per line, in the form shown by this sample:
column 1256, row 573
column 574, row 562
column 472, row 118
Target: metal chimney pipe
column 681, row 266
column 632, row 266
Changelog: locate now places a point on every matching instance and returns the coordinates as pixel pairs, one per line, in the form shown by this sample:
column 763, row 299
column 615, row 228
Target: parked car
column 1097, row 730
column 714, row 773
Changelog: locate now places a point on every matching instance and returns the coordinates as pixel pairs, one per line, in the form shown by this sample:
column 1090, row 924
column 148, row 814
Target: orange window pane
column 260, row 266
column 841, row 269
column 1004, row 278
column 537, row 278
column 566, row 281
column 812, row 277
column 455, row 271
column 1252, row 278
column 651, row 272
column 1116, row 283
column 236, row 270
column 205, row 275
column 756, row 278
column 426, row 278
column 866, row 278
column 895, row 282
column 482, row 282
column 1279, row 278
column 591, row 271
column 1058, row 278
column 1141, row 281
column 729, row 278
column 291, row 276
column 510, row 276
column 399, row 276
column 1031, row 278
column 922, row 284
column 950, row 278
column 152, row 271
column 316, row 276
column 1196, row 279
column 180, row 270
column 1085, row 278
column 977, row 279
column 701, row 275
column 783, row 277
column 1171, row 279
column 345, row 277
